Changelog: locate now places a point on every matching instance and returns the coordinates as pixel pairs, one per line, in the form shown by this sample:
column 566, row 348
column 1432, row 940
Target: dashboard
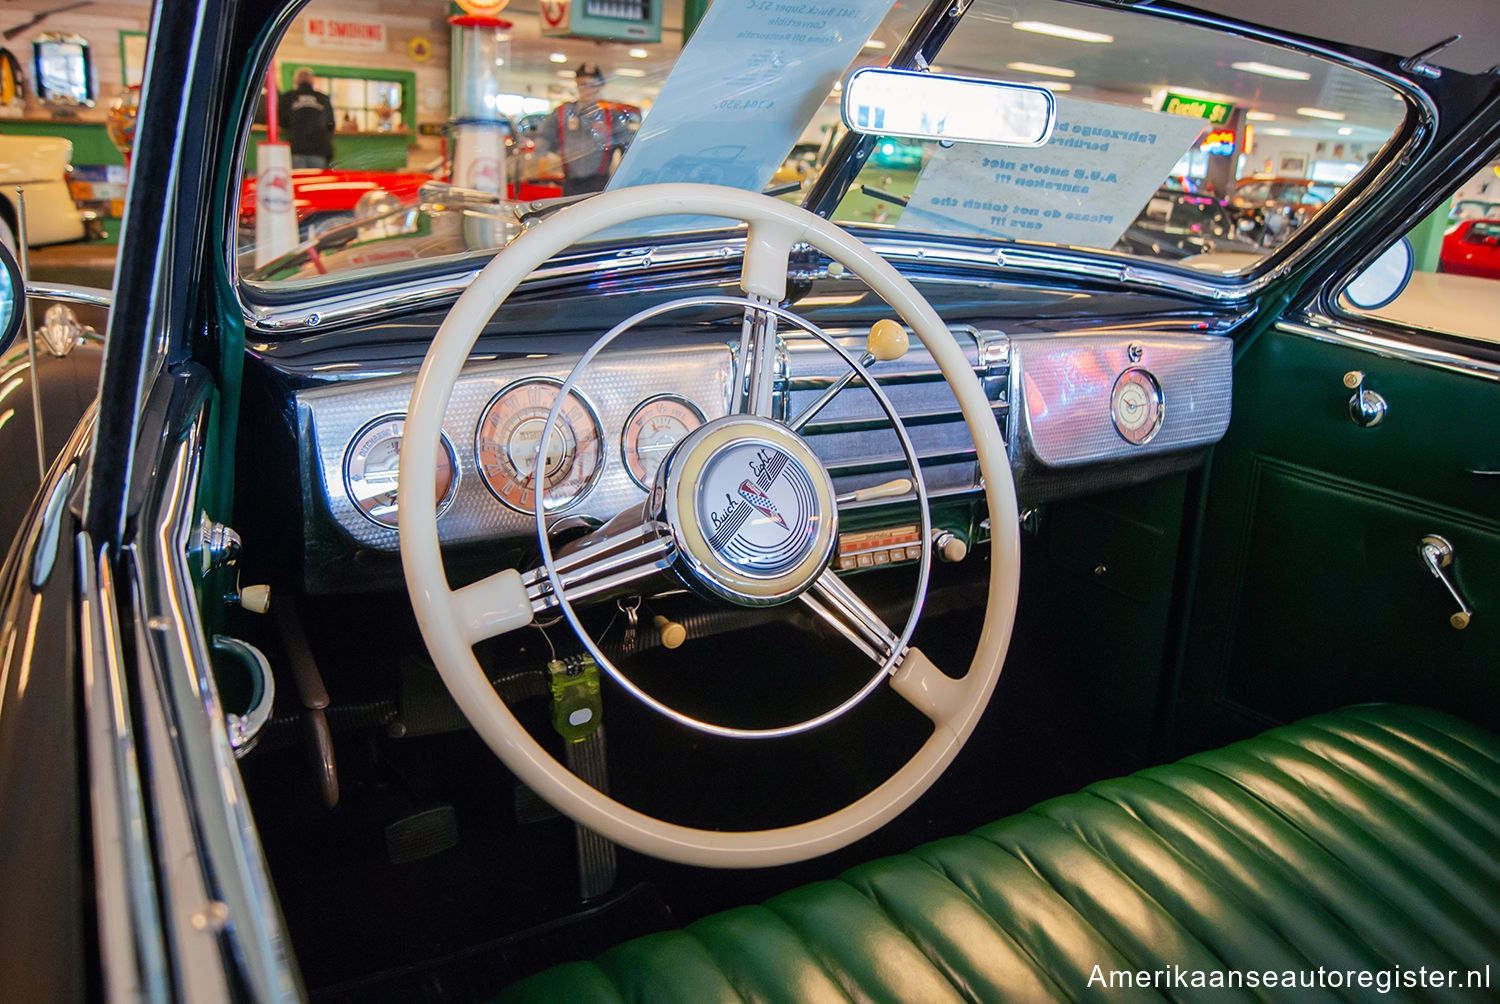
column 1080, row 412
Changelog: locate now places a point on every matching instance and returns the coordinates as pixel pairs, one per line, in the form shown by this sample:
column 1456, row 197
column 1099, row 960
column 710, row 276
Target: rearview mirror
column 953, row 109
column 12, row 297
column 1383, row 279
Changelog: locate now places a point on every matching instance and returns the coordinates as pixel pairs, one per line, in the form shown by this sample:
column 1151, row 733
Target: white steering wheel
column 453, row 620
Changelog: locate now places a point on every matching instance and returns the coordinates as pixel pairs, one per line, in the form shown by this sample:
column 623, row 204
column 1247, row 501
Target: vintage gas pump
column 478, row 130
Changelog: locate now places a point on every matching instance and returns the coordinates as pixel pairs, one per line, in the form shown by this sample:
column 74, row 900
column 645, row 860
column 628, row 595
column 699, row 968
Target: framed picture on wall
column 132, row 58
column 1293, row 164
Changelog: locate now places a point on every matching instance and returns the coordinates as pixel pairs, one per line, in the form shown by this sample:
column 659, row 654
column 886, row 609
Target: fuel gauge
column 372, row 466
column 657, row 424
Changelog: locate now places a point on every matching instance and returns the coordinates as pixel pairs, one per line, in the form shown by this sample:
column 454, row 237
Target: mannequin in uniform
column 585, row 134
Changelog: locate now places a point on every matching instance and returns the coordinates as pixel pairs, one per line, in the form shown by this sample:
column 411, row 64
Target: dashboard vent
column 851, row 434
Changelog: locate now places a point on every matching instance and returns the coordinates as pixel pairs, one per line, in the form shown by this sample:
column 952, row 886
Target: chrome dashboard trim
column 366, row 305
column 1326, row 329
column 329, row 416
column 850, row 434
column 1062, row 387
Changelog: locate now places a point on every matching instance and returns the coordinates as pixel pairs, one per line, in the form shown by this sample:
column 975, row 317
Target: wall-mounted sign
column 621, row 20
column 1217, row 112
column 348, row 35
column 554, row 15
column 419, row 49
column 483, row 7
column 1218, row 141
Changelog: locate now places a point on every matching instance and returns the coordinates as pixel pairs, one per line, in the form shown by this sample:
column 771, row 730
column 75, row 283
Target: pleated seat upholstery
column 1361, row 841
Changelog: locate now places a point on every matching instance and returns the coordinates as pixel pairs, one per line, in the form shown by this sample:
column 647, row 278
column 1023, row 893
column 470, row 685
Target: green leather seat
column 1362, row 841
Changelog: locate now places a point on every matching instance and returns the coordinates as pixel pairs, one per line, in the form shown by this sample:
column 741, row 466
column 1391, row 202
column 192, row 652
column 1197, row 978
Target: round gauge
column 1136, row 405
column 508, row 437
column 372, row 465
column 657, row 424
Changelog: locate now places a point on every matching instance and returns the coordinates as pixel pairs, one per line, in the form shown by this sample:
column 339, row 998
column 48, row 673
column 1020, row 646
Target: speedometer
column 508, row 437
column 655, row 426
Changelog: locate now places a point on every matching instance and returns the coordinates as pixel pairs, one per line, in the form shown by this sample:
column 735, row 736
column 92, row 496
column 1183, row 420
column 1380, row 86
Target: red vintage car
column 326, row 198
column 1473, row 248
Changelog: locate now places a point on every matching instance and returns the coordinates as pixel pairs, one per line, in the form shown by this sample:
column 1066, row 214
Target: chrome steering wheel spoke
column 831, row 598
column 756, row 360
column 604, row 565
column 763, row 272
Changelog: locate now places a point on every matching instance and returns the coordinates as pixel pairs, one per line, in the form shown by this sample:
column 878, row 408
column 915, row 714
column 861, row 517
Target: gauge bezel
column 351, row 451
column 601, row 454
column 627, row 451
column 1156, row 405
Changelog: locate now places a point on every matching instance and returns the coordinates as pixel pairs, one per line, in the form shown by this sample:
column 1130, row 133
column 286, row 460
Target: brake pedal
column 421, row 835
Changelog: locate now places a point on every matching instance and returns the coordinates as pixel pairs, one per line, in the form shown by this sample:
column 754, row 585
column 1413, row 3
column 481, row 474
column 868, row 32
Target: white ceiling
column 1403, row 27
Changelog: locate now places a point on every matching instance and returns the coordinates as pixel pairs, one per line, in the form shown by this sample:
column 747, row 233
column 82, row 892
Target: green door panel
column 1310, row 591
column 1372, row 620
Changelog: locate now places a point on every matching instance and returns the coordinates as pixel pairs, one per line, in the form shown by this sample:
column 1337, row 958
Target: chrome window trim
column 133, row 958
column 1325, row 329
column 70, row 293
column 238, row 909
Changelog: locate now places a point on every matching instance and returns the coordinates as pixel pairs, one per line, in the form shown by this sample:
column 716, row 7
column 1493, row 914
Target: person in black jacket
column 307, row 122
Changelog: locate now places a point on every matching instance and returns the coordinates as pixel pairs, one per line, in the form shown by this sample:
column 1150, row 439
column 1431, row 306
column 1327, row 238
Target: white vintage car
column 38, row 164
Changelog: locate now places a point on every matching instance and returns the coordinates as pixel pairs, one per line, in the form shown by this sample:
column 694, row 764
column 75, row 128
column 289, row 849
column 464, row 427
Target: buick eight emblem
column 757, row 508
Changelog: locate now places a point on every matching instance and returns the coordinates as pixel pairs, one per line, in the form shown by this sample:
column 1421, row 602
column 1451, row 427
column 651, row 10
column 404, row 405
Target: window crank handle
column 1437, row 554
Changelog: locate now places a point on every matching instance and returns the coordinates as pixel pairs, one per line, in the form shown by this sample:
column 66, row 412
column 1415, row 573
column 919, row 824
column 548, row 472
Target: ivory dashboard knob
column 888, row 340
column 672, row 633
column 950, row 546
column 256, row 599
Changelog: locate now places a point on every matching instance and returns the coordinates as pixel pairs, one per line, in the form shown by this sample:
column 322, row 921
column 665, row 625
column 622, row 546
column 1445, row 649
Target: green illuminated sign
column 1216, row 112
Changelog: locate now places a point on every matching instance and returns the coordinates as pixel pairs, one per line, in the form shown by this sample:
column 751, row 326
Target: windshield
column 1172, row 142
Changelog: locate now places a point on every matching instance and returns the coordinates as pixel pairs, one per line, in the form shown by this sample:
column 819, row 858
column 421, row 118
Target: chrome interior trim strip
column 70, row 292
column 332, row 415
column 133, row 957
column 241, row 911
column 365, row 305
column 1325, row 329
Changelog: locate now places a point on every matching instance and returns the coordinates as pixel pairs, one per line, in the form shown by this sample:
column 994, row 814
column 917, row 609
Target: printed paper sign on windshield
column 1083, row 188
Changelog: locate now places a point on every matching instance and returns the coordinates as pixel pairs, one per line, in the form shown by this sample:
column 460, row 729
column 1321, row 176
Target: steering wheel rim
column 452, row 620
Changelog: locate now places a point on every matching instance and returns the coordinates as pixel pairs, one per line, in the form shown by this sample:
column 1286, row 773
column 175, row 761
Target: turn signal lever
column 886, row 341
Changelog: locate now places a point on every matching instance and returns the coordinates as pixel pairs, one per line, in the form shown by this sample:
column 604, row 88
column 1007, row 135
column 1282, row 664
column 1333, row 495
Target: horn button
column 751, row 508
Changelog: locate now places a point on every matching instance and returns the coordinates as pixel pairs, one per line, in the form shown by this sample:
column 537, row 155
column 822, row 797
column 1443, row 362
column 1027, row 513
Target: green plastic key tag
column 576, row 704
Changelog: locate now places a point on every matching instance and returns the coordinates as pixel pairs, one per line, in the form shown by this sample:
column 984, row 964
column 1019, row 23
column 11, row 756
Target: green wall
column 91, row 142
column 353, row 151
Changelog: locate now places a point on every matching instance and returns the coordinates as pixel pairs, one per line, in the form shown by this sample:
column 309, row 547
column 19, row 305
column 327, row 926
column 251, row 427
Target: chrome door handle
column 1366, row 408
column 1437, row 554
